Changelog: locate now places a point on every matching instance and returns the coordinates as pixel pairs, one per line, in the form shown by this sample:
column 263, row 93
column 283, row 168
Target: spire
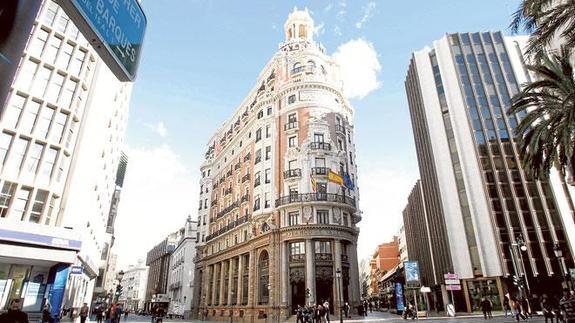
column 299, row 25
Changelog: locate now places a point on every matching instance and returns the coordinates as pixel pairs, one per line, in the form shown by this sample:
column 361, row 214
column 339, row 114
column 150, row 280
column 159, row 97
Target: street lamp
column 119, row 287
column 559, row 254
column 522, row 247
column 232, row 307
column 340, row 293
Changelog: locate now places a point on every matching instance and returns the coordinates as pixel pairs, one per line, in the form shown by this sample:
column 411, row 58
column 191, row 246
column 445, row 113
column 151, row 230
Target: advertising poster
column 399, row 297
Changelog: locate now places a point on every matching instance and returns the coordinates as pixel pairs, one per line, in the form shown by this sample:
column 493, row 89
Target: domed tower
column 284, row 200
column 299, row 25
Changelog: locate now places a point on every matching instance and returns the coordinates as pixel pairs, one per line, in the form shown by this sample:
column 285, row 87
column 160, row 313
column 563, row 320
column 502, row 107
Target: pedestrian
column 99, row 314
column 14, row 314
column 346, row 309
column 108, row 314
column 526, row 307
column 516, row 309
column 365, row 307
column 119, row 312
column 326, row 308
column 486, row 308
column 46, row 314
column 567, row 306
column 370, row 304
column 126, row 314
column 84, row 311
column 299, row 314
column 506, row 307
column 547, row 308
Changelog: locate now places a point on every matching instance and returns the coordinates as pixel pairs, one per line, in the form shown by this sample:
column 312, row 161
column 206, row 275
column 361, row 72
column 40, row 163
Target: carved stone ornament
column 307, row 213
column 296, row 275
column 324, row 273
column 336, row 215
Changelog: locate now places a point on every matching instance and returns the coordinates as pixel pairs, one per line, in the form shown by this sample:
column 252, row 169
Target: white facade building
column 181, row 272
column 403, row 253
column 61, row 134
column 134, row 287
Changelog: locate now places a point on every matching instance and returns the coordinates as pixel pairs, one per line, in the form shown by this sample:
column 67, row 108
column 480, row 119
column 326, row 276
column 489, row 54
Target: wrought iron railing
column 313, row 197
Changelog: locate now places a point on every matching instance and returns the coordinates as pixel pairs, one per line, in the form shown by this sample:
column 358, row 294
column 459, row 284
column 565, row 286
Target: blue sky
column 201, row 58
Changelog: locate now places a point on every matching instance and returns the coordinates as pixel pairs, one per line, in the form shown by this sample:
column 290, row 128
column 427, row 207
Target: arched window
column 310, row 66
column 302, row 31
column 264, row 278
column 297, row 68
column 290, row 34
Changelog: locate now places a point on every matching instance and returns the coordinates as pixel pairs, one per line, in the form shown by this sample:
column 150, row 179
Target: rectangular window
column 291, row 99
column 38, row 206
column 26, row 74
column 322, row 217
column 62, row 23
column 292, row 117
column 21, row 203
column 268, row 132
column 37, row 45
column 62, row 168
column 268, row 152
column 323, row 247
column 259, row 134
column 320, row 162
column 292, row 164
column 17, row 156
column 55, row 88
column 29, row 117
column 258, row 156
column 257, row 179
column 14, row 110
column 49, row 161
column 58, row 127
column 34, row 158
column 321, row 187
column 346, row 219
column 318, row 137
column 5, row 141
column 293, row 218
column 256, row 202
column 68, row 93
column 52, row 49
column 70, row 138
column 41, row 81
column 6, row 197
column 50, row 13
column 65, row 56
column 50, row 210
column 267, row 200
column 77, row 61
column 297, row 248
column 44, row 123
column 268, row 175
column 292, row 141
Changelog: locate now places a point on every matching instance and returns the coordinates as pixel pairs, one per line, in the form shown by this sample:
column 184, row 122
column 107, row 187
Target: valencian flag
column 313, row 183
column 334, row 177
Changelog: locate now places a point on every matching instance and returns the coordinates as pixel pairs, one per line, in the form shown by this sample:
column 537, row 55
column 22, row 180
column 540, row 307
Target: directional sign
column 453, row 287
column 452, row 282
column 115, row 28
column 451, row 276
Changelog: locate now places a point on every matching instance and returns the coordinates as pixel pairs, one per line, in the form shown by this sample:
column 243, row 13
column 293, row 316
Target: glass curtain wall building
column 499, row 222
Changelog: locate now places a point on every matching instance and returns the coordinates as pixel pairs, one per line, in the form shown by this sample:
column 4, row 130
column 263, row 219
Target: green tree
column 544, row 20
column 547, row 132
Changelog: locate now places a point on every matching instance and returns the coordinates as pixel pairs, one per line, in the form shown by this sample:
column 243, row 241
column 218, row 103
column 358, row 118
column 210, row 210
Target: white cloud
column 337, row 31
column 319, row 29
column 159, row 128
column 384, row 195
column 159, row 193
column 342, row 10
column 367, row 14
column 359, row 67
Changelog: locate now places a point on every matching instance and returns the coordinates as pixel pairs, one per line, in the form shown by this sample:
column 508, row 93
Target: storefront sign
column 39, row 239
column 76, row 270
column 115, row 28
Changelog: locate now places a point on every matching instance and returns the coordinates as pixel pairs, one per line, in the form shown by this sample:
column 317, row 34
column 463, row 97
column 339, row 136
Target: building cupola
column 299, row 25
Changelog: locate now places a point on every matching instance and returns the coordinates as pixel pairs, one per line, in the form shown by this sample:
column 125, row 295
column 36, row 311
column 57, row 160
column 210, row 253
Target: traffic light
column 307, row 293
column 119, row 289
column 518, row 281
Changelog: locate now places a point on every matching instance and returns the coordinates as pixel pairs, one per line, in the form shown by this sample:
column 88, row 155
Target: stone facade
column 281, row 185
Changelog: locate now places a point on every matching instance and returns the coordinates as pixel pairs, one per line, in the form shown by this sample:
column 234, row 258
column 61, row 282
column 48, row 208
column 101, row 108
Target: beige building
column 280, row 175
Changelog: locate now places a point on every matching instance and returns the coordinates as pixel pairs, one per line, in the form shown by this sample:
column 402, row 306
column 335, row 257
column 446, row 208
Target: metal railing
column 296, row 172
column 340, row 128
column 313, row 197
column 319, row 170
column 291, row 125
column 320, row 145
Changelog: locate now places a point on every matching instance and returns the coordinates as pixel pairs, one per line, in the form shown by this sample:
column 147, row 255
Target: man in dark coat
column 14, row 314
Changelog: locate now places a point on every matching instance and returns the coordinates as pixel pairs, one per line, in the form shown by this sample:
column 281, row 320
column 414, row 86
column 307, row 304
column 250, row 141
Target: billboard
column 411, row 269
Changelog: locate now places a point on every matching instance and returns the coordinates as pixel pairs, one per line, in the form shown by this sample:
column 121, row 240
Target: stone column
column 337, row 281
column 230, row 281
column 310, row 269
column 222, row 282
column 214, row 283
column 284, row 273
column 353, row 276
column 252, row 279
column 240, row 291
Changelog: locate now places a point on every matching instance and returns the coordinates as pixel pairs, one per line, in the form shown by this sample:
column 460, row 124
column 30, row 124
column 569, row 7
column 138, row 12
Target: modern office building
column 134, row 287
column 158, row 262
column 182, row 270
column 488, row 219
column 61, row 134
column 283, row 201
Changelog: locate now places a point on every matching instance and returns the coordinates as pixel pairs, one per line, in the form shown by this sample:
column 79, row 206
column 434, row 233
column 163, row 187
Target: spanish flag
column 313, row 183
column 334, row 177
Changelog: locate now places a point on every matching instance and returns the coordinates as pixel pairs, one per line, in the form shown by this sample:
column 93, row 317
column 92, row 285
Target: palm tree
column 547, row 132
column 544, row 20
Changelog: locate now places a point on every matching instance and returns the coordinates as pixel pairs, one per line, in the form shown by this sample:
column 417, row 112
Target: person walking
column 506, row 306
column 326, row 308
column 516, row 309
column 346, row 309
column 370, row 304
column 46, row 314
column 486, row 308
column 547, row 308
column 299, row 314
column 84, row 311
column 99, row 314
column 126, row 312
column 365, row 307
column 567, row 306
column 14, row 314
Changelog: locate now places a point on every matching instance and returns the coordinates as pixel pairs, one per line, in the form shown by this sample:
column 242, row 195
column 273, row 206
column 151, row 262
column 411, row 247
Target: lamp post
column 520, row 243
column 559, row 254
column 119, row 277
column 340, row 293
column 232, row 307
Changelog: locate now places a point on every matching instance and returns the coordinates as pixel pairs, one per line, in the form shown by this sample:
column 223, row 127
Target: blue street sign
column 411, row 272
column 115, row 28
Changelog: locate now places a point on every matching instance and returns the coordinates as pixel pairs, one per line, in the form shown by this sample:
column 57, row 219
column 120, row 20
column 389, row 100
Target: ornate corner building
column 279, row 193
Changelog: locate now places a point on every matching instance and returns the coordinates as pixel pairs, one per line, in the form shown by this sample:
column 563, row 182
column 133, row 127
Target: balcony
column 227, row 228
column 258, row 159
column 237, row 166
column 319, row 170
column 229, row 173
column 245, row 178
column 291, row 125
column 245, row 198
column 323, row 257
column 291, row 173
column 340, row 128
column 214, row 202
column 344, row 258
column 297, row 258
column 320, row 146
column 315, row 197
column 227, row 210
column 257, row 182
column 247, row 157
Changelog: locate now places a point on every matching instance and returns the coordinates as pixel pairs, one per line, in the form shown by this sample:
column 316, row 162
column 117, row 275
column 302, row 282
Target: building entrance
column 324, row 286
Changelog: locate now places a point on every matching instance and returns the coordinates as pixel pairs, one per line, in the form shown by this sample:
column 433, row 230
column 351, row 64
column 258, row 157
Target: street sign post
column 452, row 283
column 115, row 28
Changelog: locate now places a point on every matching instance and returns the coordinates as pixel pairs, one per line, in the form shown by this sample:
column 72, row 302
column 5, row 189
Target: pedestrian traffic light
column 307, row 293
column 119, row 289
column 518, row 281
